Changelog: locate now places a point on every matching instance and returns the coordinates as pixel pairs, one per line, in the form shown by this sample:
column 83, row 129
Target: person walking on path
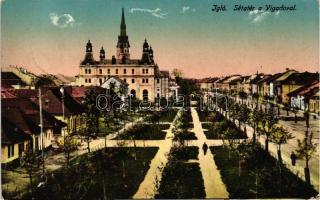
column 293, row 159
column 205, row 148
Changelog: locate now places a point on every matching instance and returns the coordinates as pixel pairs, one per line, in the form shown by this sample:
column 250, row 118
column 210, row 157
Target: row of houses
column 62, row 112
column 297, row 89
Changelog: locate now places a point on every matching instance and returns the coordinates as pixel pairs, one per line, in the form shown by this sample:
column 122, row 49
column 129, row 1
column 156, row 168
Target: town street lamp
column 41, row 130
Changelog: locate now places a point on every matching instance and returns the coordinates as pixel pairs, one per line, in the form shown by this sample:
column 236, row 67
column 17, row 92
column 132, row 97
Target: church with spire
column 142, row 76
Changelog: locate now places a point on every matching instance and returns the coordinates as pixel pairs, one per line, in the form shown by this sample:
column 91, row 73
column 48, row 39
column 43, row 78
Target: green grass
column 187, row 135
column 116, row 170
column 266, row 169
column 218, row 127
column 145, row 132
column 167, row 116
column 209, row 116
column 181, row 179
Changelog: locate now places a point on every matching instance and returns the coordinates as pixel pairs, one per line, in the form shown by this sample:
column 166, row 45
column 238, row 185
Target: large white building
column 145, row 80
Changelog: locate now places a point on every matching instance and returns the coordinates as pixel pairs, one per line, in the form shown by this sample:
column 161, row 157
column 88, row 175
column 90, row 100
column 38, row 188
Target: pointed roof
column 123, row 31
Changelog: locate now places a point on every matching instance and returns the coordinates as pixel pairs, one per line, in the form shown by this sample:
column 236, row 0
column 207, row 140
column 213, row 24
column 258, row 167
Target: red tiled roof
column 26, row 93
column 304, row 90
column 52, row 98
column 18, row 109
column 11, row 134
column 18, row 118
column 6, row 94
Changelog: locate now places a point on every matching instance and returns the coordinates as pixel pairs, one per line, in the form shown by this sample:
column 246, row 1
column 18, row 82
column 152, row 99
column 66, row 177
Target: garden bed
column 167, row 116
column 145, row 132
column 119, row 170
column 260, row 176
column 221, row 128
column 181, row 179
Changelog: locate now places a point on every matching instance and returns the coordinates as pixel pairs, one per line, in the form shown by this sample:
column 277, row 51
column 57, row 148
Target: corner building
column 145, row 80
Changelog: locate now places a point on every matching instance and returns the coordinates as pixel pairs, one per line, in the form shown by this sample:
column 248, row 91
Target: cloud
column 186, row 9
column 257, row 16
column 62, row 21
column 156, row 12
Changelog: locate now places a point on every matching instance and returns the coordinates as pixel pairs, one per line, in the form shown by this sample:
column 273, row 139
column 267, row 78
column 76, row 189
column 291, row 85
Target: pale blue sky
column 184, row 34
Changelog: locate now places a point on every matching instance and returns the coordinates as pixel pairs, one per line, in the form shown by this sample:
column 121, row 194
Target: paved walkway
column 214, row 187
column 147, row 188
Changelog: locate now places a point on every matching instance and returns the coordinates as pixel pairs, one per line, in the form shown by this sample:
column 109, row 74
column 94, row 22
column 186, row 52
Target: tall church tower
column 123, row 46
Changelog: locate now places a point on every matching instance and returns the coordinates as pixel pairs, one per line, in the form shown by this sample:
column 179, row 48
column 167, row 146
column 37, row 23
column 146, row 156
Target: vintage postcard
column 162, row 99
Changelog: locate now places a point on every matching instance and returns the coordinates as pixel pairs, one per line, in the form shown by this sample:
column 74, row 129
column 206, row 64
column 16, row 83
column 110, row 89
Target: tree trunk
column 239, row 166
column 267, row 144
column 88, row 147
column 123, row 169
column 105, row 142
column 307, row 172
column 135, row 149
column 31, row 182
column 68, row 158
column 279, row 154
column 254, row 133
column 104, row 187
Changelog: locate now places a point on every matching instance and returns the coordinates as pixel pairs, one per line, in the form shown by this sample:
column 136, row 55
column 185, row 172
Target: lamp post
column 63, row 115
column 41, row 130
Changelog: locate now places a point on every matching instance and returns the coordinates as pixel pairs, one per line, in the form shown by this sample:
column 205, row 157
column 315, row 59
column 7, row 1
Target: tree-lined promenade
column 264, row 123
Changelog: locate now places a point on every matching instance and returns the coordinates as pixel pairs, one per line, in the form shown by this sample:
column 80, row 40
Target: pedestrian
column 293, row 159
column 205, row 148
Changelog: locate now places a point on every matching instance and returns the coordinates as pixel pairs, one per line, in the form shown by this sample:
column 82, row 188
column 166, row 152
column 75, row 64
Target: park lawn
column 115, row 169
column 168, row 116
column 268, row 177
column 209, row 116
column 145, row 132
column 181, row 179
column 214, row 132
column 187, row 135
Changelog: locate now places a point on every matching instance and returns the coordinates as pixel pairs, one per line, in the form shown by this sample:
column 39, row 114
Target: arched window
column 145, row 95
column 133, row 94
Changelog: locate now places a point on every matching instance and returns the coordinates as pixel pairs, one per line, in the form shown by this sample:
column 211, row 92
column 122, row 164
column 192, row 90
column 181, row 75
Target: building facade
column 145, row 80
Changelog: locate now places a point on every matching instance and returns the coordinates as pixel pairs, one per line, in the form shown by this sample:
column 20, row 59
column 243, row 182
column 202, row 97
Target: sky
column 49, row 36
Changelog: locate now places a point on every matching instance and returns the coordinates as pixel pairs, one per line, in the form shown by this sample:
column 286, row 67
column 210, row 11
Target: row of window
column 144, row 71
column 88, row 80
column 11, row 149
column 144, row 80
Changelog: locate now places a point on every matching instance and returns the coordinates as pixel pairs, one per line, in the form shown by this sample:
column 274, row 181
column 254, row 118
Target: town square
column 128, row 111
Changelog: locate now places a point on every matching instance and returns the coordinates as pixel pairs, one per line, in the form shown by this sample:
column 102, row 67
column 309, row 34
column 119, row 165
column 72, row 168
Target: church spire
column 123, row 45
column 123, row 31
